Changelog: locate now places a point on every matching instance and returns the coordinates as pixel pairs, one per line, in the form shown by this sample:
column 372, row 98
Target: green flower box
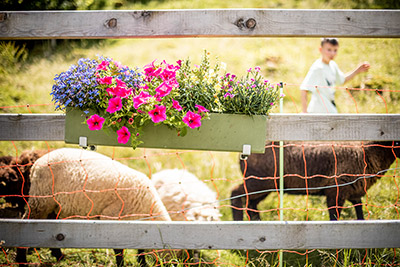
column 222, row 132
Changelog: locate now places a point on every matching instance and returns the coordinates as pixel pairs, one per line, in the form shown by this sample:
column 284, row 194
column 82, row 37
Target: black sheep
column 14, row 178
column 320, row 161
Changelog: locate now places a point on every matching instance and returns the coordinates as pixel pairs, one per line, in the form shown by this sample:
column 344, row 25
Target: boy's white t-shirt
column 323, row 77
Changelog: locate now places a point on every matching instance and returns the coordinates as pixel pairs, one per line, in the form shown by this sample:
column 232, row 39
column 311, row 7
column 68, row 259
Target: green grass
column 281, row 59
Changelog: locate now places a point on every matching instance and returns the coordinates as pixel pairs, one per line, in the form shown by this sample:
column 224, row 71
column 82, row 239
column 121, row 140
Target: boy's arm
column 304, row 101
column 363, row 67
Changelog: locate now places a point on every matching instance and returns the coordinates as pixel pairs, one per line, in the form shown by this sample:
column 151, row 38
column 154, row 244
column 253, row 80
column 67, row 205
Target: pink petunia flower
column 123, row 135
column 175, row 105
column 123, row 92
column 149, row 68
column 192, row 119
column 158, row 114
column 103, row 65
column 114, row 104
column 168, row 74
column 105, row 80
column 163, row 89
column 112, row 91
column 172, row 82
column 120, row 83
column 257, row 69
column 140, row 99
column 95, row 122
column 201, row 109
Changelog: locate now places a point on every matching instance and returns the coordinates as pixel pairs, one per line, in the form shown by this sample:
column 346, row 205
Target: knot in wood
column 142, row 14
column 3, row 17
column 146, row 14
column 251, row 23
column 240, row 23
column 60, row 237
column 111, row 23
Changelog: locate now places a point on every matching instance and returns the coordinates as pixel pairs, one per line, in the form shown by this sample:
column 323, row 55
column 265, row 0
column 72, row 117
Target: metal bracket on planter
column 246, row 152
column 84, row 145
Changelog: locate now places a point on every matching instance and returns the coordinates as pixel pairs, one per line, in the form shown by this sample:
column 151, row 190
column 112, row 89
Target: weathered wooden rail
column 198, row 23
column 200, row 235
column 206, row 23
column 284, row 127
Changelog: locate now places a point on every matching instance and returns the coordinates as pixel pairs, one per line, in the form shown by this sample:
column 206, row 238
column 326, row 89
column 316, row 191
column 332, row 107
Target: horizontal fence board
column 338, row 127
column 32, row 127
column 198, row 23
column 200, row 235
column 283, row 127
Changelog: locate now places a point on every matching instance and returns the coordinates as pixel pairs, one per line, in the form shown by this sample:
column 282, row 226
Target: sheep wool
column 185, row 196
column 84, row 184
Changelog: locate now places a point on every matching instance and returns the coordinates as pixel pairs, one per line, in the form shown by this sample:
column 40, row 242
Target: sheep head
column 14, row 175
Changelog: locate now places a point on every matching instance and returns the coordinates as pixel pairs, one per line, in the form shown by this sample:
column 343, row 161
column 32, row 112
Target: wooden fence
column 206, row 23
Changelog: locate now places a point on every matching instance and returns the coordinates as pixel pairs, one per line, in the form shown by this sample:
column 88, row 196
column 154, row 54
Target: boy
column 322, row 78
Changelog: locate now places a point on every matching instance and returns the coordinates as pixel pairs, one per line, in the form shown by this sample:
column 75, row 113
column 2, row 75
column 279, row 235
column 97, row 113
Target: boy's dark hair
column 332, row 41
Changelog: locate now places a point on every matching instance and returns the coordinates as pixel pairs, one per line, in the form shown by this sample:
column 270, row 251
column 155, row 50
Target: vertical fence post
column 281, row 174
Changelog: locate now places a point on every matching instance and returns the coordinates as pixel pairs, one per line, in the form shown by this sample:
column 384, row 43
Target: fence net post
column 281, row 174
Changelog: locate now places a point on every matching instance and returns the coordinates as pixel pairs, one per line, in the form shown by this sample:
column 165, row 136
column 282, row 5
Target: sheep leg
column 56, row 252
column 21, row 257
column 334, row 206
column 358, row 207
column 119, row 257
column 237, row 203
column 253, row 203
column 141, row 258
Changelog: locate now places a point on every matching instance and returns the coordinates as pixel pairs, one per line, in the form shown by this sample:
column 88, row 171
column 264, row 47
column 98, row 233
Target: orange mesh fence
column 369, row 167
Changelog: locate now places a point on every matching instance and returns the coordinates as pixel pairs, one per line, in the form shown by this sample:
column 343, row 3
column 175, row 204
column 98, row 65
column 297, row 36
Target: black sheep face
column 7, row 174
column 14, row 176
column 10, row 179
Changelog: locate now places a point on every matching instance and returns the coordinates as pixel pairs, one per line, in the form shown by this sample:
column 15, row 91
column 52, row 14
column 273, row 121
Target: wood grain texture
column 201, row 235
column 198, row 23
column 280, row 127
column 335, row 127
column 32, row 127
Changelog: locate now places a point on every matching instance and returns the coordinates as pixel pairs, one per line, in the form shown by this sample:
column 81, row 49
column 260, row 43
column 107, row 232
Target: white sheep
column 86, row 184
column 185, row 196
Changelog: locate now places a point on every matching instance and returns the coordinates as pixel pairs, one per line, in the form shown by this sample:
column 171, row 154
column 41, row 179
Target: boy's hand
column 363, row 67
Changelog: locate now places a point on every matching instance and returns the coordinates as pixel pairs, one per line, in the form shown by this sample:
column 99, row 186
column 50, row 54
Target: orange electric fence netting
column 323, row 180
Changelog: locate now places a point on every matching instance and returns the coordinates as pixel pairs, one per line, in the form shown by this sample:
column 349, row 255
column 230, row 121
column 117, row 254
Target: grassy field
column 29, row 81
